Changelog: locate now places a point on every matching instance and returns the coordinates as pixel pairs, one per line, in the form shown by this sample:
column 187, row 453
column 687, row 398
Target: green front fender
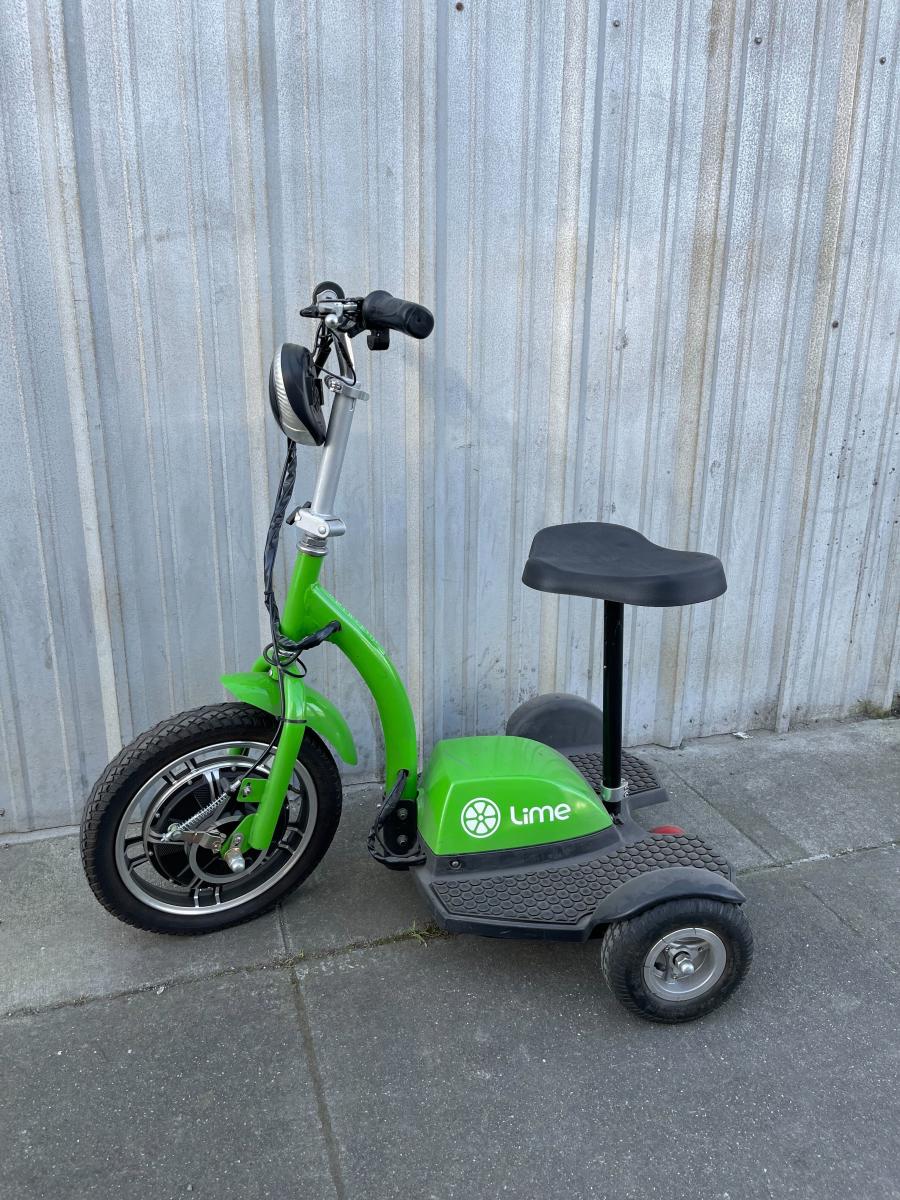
column 304, row 704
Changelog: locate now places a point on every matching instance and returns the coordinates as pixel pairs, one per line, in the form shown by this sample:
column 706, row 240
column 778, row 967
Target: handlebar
column 377, row 312
column 381, row 310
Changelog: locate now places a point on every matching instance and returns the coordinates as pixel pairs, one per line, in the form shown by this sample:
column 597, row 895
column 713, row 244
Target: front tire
column 168, row 774
column 679, row 960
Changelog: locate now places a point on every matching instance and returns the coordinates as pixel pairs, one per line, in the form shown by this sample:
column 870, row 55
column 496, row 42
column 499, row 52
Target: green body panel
column 500, row 793
column 261, row 690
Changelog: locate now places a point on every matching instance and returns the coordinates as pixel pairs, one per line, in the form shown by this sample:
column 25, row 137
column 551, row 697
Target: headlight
column 295, row 393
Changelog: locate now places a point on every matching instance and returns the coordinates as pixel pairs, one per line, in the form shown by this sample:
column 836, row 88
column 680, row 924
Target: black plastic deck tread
column 639, row 776
column 564, row 895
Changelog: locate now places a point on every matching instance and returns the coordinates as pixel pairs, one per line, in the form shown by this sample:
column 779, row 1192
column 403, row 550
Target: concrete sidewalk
column 342, row 1048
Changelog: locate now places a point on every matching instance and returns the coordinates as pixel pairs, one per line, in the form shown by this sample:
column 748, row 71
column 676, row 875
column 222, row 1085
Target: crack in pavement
column 893, row 844
column 737, row 822
column 423, row 934
column 332, row 1147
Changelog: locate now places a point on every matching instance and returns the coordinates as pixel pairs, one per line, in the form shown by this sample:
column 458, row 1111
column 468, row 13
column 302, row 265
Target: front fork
column 257, row 828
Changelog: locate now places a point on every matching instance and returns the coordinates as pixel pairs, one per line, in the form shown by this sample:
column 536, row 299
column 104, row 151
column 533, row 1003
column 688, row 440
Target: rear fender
column 303, row 704
column 641, row 892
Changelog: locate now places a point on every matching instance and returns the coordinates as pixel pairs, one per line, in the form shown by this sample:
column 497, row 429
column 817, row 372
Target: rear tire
column 640, row 957
column 205, row 737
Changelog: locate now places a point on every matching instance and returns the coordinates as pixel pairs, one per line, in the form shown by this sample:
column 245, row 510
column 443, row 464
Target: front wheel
column 678, row 960
column 169, row 774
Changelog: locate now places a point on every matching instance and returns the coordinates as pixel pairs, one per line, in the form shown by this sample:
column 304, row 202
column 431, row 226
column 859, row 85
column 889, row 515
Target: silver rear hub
column 685, row 964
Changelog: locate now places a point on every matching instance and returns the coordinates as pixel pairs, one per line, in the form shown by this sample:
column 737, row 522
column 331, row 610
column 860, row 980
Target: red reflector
column 668, row 830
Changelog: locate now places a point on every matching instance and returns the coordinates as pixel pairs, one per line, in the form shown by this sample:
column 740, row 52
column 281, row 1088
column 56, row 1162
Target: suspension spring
column 192, row 822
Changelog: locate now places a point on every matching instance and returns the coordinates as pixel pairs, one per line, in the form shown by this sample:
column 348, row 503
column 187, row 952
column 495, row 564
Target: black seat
column 612, row 562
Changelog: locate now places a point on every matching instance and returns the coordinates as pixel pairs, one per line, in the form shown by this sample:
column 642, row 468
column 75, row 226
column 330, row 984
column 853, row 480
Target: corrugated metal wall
column 661, row 243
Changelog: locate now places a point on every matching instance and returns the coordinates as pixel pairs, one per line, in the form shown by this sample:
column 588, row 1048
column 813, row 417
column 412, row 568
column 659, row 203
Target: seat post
column 613, row 641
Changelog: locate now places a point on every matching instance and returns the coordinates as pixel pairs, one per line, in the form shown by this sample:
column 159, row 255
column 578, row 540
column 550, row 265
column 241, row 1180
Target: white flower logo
column 480, row 817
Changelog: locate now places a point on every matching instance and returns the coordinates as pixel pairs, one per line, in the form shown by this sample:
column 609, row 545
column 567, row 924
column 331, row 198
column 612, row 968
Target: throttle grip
column 381, row 310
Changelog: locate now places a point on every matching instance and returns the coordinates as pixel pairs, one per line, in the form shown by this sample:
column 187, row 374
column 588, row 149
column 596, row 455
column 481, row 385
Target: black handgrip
column 381, row 310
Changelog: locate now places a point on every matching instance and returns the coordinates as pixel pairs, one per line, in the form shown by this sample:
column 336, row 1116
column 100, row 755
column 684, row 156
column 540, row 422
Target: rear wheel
column 678, row 960
column 171, row 773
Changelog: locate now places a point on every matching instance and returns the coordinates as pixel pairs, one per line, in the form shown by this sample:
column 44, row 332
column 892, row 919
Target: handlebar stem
column 333, row 452
column 320, row 514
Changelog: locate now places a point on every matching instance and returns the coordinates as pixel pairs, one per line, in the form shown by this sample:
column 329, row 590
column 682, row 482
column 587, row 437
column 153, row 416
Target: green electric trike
column 214, row 815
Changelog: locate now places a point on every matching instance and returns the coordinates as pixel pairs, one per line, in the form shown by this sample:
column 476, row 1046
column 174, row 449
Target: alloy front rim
column 685, row 964
column 186, row 880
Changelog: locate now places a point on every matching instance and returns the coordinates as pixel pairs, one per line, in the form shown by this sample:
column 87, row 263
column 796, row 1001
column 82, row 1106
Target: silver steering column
column 318, row 523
